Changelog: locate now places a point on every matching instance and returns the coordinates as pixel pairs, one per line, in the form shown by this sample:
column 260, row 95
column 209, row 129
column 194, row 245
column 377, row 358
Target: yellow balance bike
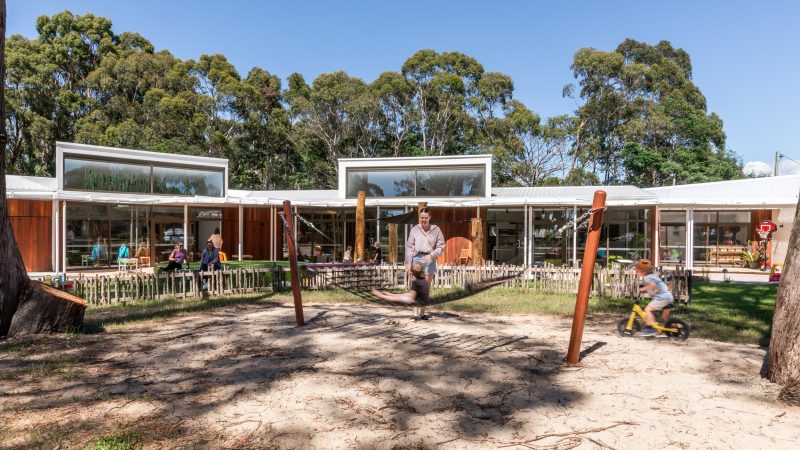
column 674, row 327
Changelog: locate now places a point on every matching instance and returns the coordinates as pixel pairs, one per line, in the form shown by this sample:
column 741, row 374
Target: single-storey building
column 105, row 198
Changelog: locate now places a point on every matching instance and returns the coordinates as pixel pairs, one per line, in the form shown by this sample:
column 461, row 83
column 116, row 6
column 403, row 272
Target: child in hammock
column 417, row 295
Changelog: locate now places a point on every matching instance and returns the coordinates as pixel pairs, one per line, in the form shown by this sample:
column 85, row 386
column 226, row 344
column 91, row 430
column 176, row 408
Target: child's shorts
column 660, row 303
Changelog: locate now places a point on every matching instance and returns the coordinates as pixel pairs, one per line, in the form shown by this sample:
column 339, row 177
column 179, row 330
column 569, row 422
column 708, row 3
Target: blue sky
column 746, row 55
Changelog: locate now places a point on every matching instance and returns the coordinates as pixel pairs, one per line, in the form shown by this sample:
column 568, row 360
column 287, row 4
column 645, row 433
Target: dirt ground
column 368, row 377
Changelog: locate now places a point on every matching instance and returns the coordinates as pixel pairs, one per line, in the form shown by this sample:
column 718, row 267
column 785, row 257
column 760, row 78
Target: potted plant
column 750, row 259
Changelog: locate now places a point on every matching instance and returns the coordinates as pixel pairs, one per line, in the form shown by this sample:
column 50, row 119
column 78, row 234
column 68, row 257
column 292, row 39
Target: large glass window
column 95, row 233
column 720, row 237
column 394, row 183
column 506, row 235
column 468, row 182
column 84, row 175
column 171, row 180
column 110, row 176
column 551, row 237
column 423, row 182
column 625, row 235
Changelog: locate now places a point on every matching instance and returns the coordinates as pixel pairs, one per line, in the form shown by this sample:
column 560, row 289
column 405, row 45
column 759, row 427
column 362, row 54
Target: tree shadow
column 360, row 366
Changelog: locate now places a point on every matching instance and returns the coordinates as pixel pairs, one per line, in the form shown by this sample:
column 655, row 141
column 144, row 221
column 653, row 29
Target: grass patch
column 101, row 318
column 117, row 441
column 729, row 312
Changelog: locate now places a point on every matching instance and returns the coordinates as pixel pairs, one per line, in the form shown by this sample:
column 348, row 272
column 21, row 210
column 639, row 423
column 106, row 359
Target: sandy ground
column 368, row 377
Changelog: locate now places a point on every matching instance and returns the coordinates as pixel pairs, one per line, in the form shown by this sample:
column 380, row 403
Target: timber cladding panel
column 257, row 231
column 454, row 222
column 32, row 223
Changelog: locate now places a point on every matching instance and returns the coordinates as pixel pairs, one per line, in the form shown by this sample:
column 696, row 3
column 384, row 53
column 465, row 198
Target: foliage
column 642, row 120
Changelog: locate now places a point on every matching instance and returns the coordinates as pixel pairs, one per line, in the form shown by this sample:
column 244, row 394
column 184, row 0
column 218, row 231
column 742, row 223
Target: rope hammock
column 361, row 283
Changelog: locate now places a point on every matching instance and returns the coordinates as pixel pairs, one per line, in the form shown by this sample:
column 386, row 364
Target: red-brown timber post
column 587, row 273
column 298, row 300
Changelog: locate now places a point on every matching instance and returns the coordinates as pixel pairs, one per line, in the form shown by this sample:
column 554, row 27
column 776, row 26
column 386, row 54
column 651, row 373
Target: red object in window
column 767, row 225
column 764, row 230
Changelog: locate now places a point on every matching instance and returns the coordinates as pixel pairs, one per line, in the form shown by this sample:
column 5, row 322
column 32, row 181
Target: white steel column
column 526, row 237
column 378, row 221
column 273, row 236
column 54, row 259
column 689, row 238
column 185, row 227
column 532, row 219
column 574, row 236
column 241, row 230
column 64, row 234
column 656, row 236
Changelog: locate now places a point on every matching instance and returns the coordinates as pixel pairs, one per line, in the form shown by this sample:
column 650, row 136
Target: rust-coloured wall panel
column 455, row 223
column 29, row 208
column 34, row 239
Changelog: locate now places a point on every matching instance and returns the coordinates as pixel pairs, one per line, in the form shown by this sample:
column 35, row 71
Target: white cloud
column 760, row 168
column 788, row 167
column 757, row 168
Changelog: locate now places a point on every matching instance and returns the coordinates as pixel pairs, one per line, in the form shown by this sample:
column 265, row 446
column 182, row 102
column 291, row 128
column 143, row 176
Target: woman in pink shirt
column 424, row 244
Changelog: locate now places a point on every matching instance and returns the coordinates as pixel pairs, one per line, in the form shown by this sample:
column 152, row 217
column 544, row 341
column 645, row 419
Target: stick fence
column 132, row 286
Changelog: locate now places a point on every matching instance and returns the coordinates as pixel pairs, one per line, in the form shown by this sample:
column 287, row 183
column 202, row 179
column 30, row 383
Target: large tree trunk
column 46, row 309
column 25, row 307
column 13, row 278
column 784, row 345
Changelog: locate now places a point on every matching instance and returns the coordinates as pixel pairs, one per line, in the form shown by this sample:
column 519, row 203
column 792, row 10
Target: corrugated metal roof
column 765, row 191
column 753, row 192
column 618, row 193
column 28, row 183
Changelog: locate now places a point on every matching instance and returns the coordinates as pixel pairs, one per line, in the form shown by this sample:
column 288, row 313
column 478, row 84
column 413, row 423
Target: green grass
column 118, row 441
column 733, row 312
column 729, row 312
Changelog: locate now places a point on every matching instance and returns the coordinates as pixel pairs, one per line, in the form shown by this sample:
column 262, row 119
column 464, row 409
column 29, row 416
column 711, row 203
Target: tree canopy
column 640, row 120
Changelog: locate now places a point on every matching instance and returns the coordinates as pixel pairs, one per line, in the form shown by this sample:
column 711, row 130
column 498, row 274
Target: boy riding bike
column 661, row 296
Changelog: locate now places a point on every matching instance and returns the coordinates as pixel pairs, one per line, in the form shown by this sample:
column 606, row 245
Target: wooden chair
column 465, row 256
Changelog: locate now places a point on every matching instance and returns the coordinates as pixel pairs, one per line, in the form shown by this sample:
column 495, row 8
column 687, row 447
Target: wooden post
column 360, row 206
column 392, row 243
column 587, row 273
column 476, row 235
column 298, row 300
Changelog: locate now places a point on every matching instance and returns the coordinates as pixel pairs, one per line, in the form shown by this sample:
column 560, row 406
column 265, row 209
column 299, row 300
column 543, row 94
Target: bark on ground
column 368, row 377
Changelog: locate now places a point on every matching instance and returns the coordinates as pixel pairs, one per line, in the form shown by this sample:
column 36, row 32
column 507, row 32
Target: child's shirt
column 422, row 288
column 661, row 290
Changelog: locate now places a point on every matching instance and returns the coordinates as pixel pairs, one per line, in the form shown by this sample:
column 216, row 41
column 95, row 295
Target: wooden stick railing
column 103, row 290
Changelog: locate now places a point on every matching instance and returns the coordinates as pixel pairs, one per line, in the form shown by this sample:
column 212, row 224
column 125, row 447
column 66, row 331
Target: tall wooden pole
column 360, row 225
column 298, row 300
column 587, row 273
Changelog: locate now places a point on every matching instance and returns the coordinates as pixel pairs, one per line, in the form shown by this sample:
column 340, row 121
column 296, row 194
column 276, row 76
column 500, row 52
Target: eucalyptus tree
column 264, row 157
column 443, row 85
column 395, row 103
column 339, row 112
column 643, row 120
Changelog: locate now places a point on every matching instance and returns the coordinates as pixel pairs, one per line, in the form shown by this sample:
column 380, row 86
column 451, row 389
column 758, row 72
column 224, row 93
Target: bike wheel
column 683, row 328
column 623, row 323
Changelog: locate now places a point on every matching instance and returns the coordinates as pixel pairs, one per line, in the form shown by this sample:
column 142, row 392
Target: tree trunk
column 25, row 307
column 46, row 309
column 13, row 277
column 784, row 345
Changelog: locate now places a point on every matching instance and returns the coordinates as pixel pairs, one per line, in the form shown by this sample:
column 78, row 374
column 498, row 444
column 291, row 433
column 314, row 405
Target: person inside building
column 216, row 239
column 348, row 254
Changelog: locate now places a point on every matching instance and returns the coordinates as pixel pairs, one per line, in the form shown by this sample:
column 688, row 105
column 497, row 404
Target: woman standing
column 216, row 239
column 424, row 244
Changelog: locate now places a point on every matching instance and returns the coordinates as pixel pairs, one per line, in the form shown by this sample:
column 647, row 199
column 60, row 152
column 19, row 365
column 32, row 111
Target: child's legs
column 651, row 318
column 656, row 304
